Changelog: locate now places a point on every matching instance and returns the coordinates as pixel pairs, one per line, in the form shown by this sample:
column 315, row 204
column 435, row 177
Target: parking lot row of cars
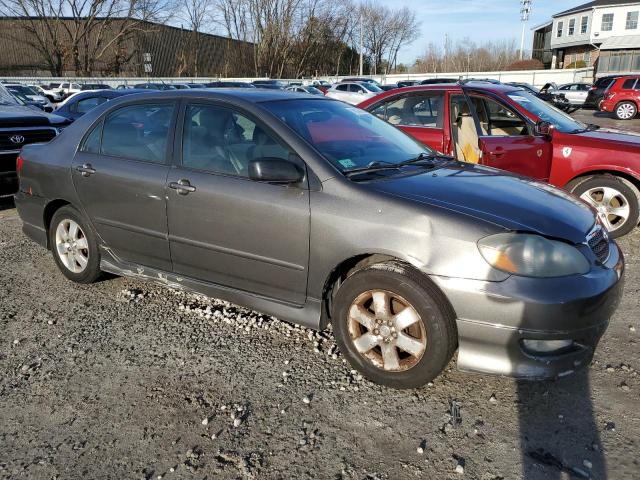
column 511, row 127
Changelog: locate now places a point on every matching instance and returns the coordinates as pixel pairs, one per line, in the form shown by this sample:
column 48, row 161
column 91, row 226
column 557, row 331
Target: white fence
column 534, row 77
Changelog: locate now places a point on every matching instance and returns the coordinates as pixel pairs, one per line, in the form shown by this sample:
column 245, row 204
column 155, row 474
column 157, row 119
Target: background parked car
column 353, row 92
column 270, row 84
column 508, row 128
column 21, row 125
column 304, row 89
column 229, row 84
column 361, row 80
column 576, row 93
column 77, row 105
column 95, row 86
column 407, row 83
column 596, row 92
column 68, row 88
column 46, row 92
column 30, row 96
column 321, row 85
column 435, row 81
column 154, row 86
column 622, row 97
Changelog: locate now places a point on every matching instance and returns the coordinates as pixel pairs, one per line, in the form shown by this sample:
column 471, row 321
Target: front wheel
column 74, row 246
column 393, row 325
column 626, row 111
column 616, row 202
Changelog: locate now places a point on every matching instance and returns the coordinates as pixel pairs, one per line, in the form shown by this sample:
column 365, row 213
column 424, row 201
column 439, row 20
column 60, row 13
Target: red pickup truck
column 509, row 128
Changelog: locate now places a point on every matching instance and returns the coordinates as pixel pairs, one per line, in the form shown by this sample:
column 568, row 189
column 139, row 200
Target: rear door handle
column 86, row 170
column 183, row 186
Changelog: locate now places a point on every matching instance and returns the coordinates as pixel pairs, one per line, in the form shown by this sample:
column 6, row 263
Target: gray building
column 604, row 34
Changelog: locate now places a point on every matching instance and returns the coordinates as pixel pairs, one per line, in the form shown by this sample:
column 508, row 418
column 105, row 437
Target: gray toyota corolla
column 317, row 212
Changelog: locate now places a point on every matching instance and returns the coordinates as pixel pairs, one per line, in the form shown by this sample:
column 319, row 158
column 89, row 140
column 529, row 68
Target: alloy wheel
column 387, row 330
column 625, row 111
column 612, row 206
column 72, row 246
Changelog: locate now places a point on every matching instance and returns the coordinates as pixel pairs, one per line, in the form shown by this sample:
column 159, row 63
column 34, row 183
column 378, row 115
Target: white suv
column 353, row 92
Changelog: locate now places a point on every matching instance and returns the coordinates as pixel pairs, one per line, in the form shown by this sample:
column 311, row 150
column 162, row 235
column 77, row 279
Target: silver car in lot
column 317, row 212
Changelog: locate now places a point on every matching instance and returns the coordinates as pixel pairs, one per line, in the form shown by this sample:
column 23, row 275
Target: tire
column 427, row 327
column 625, row 111
column 62, row 238
column 619, row 210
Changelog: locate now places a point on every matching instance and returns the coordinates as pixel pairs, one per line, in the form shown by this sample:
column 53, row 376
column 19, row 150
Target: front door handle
column 183, row 186
column 86, row 170
column 497, row 153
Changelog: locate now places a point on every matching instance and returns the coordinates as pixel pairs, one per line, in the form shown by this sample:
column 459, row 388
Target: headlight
column 532, row 255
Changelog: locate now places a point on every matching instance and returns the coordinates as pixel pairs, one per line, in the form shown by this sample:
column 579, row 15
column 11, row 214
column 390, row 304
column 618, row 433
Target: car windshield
column 346, row 136
column 560, row 120
column 372, row 87
column 22, row 89
column 6, row 98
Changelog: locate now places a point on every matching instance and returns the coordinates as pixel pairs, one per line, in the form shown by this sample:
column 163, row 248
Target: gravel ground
column 122, row 379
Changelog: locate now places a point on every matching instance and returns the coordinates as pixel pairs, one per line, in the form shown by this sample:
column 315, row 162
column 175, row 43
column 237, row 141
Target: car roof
column 253, row 95
column 475, row 85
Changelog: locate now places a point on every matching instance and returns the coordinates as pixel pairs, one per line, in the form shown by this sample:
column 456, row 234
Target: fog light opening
column 547, row 347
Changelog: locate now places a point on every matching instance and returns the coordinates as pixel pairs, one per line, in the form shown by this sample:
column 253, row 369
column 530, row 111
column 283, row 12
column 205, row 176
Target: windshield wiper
column 373, row 167
column 590, row 127
column 382, row 165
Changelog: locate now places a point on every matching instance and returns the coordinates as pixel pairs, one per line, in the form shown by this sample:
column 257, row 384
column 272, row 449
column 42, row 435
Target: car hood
column 610, row 137
column 19, row 116
column 510, row 201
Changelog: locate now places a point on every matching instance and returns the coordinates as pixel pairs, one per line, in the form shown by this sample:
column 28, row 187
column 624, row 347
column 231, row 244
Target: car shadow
column 7, row 203
column 559, row 436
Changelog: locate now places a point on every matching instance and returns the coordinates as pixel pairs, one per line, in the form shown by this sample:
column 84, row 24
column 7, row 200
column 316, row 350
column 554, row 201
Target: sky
column 480, row 20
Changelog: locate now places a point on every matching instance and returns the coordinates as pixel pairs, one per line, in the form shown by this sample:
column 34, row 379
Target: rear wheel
column 393, row 325
column 626, row 110
column 615, row 201
column 74, row 246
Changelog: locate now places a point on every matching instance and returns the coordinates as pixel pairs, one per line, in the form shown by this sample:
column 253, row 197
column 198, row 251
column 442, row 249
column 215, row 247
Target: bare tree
column 82, row 32
column 386, row 32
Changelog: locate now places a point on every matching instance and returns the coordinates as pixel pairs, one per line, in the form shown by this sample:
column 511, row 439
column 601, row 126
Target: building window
column 560, row 27
column 584, row 24
column 572, row 26
column 632, row 20
column 607, row 22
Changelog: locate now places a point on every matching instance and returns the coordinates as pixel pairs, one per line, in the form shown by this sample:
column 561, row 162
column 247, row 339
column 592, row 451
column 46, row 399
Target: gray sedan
column 318, row 212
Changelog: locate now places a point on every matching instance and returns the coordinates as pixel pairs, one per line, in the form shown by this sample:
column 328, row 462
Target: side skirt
column 307, row 315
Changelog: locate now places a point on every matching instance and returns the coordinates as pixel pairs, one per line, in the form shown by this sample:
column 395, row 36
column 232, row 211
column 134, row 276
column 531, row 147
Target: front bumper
column 495, row 317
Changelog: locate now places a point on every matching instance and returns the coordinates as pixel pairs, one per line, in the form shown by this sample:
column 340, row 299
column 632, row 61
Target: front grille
column 36, row 135
column 598, row 241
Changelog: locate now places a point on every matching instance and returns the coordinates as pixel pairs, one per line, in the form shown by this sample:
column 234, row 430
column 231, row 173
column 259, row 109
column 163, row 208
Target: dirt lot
column 125, row 380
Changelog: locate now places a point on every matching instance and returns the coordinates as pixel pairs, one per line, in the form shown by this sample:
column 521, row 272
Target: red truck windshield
column 563, row 122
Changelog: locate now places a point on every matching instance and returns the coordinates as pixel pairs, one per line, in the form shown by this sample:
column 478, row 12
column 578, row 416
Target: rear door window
column 417, row 110
column 629, row 83
column 138, row 132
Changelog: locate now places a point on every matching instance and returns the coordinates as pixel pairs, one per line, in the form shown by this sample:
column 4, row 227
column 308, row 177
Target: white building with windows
column 604, row 34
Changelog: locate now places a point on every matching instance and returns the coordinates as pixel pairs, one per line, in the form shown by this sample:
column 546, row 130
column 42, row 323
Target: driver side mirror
column 274, row 170
column 544, row 129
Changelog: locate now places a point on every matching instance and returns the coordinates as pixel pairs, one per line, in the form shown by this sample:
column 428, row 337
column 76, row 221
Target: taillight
column 19, row 164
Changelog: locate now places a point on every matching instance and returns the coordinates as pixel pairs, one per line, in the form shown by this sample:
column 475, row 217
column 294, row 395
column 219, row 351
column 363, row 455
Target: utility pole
column 360, row 46
column 525, row 11
column 446, row 48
